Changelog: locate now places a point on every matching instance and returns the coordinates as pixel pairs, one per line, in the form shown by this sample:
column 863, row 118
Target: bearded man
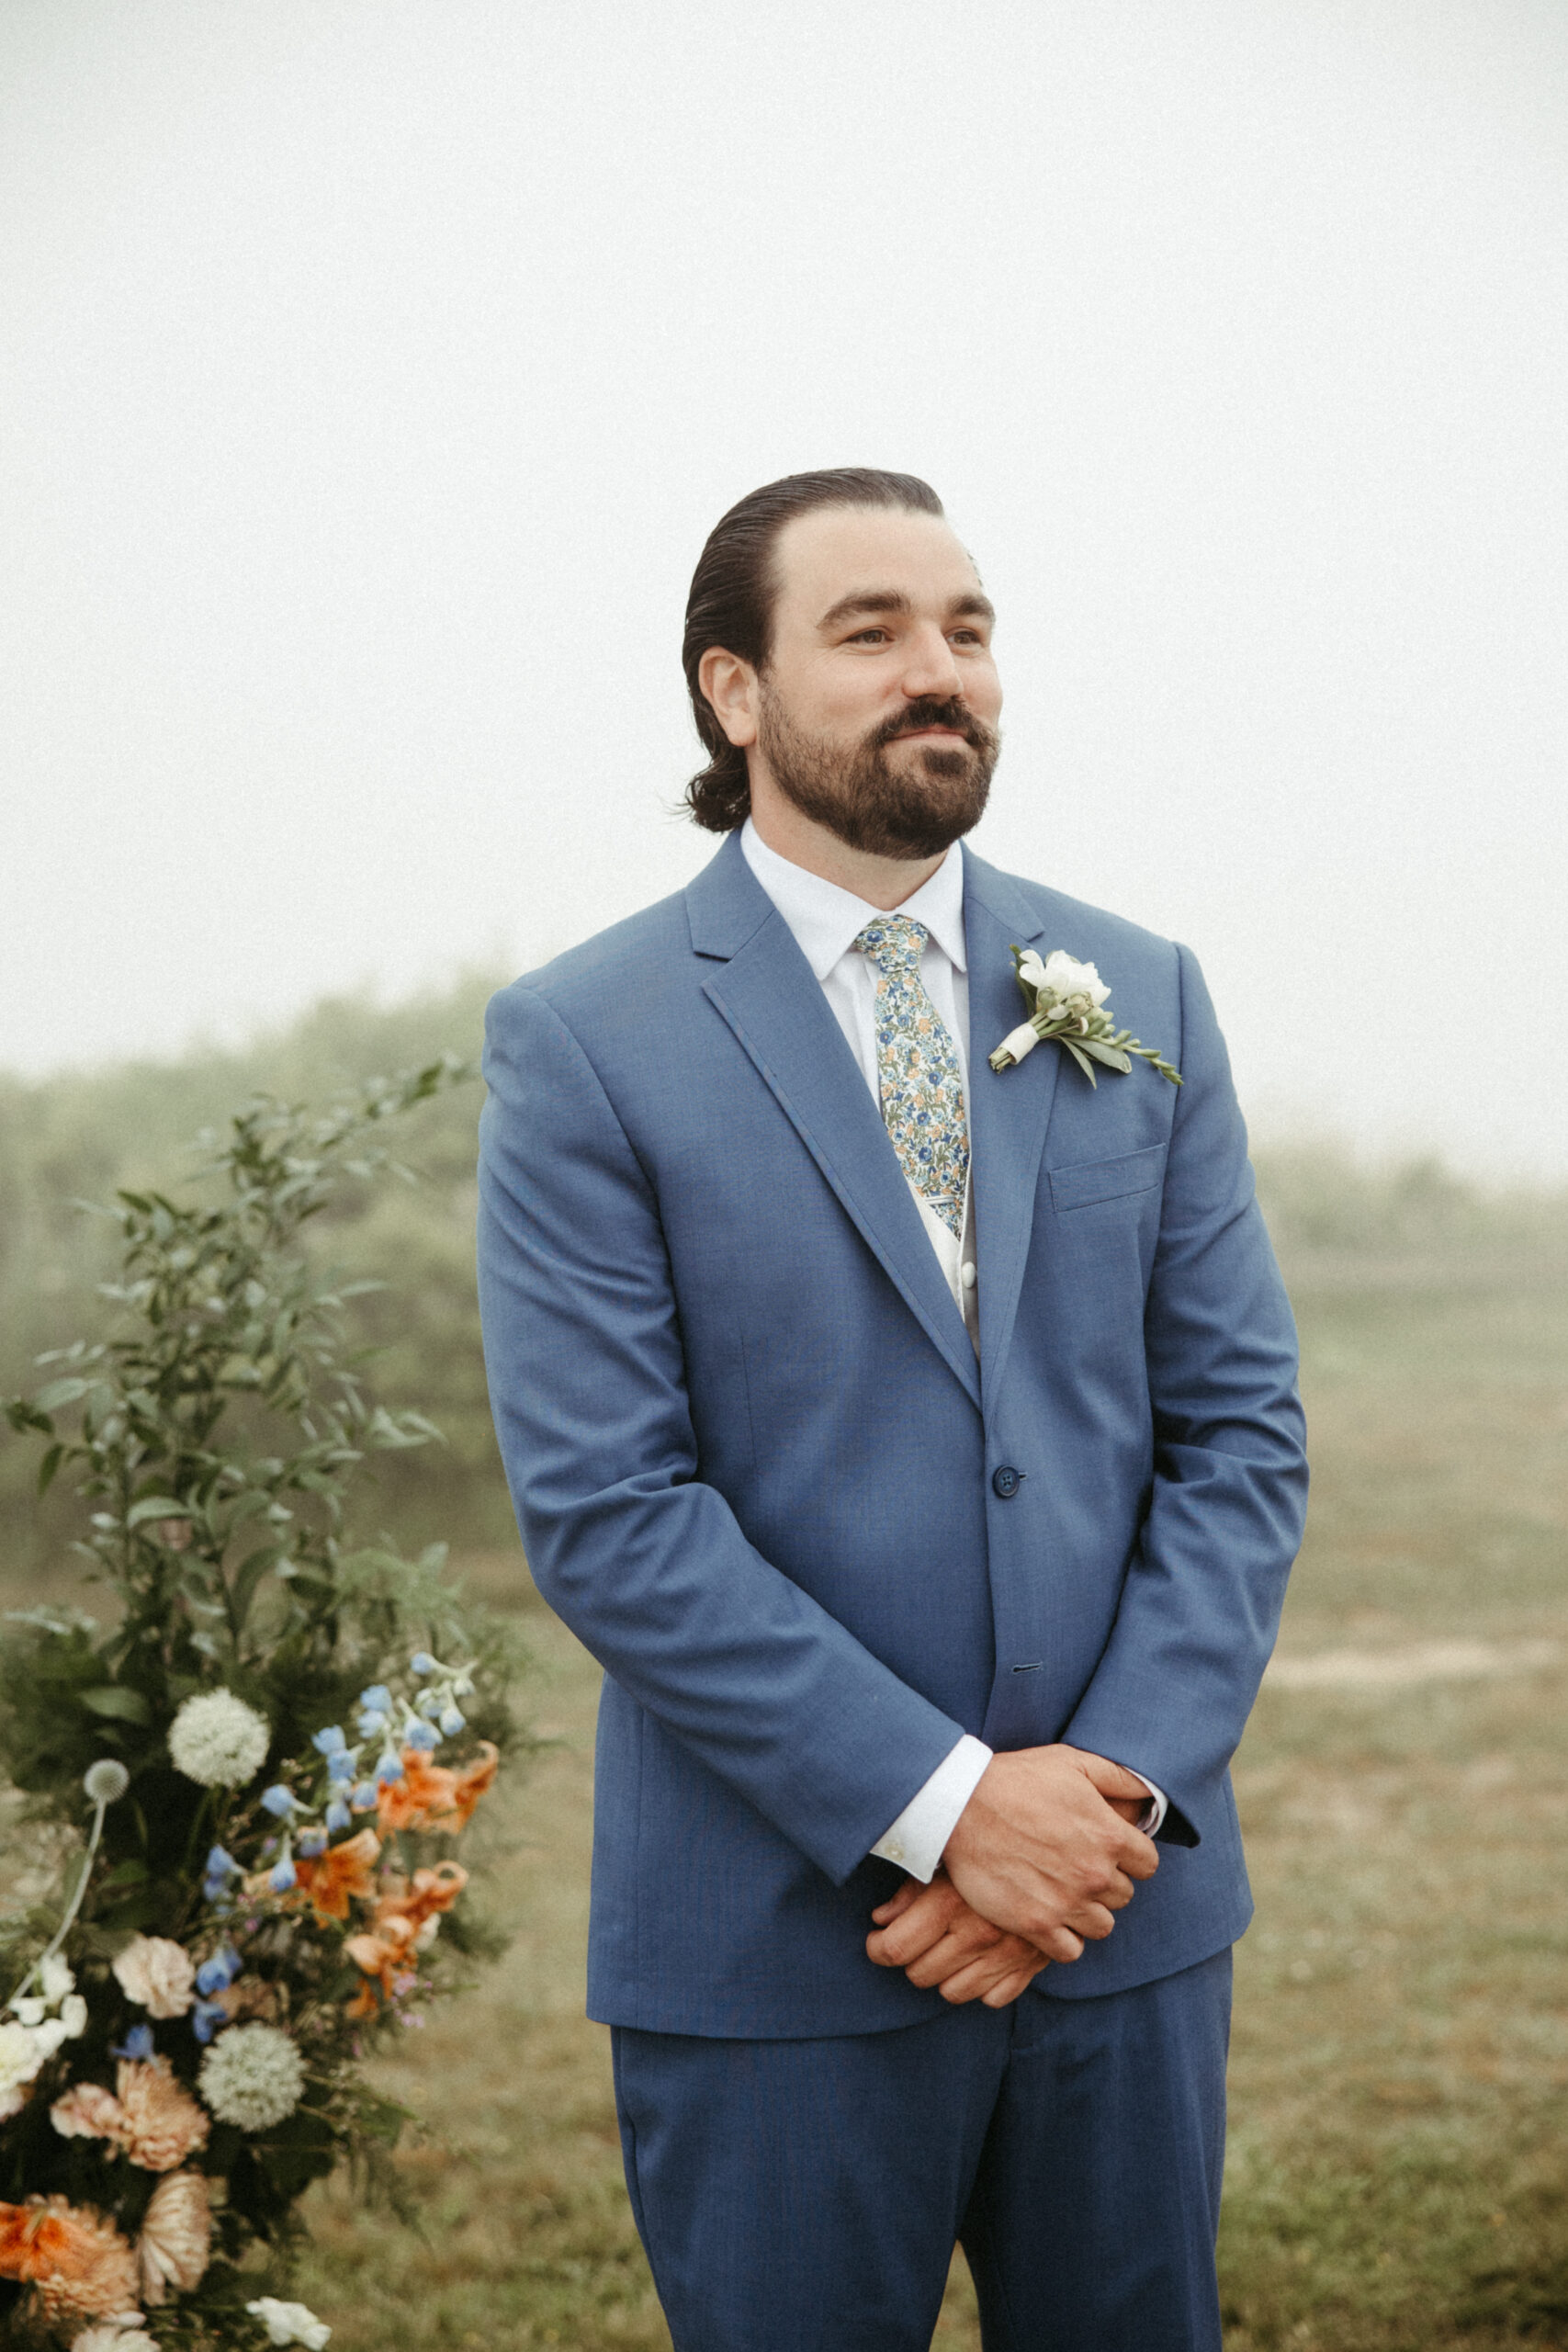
column 916, row 1445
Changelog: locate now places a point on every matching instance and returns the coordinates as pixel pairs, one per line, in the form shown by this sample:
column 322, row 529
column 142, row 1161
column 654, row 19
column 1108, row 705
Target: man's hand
column 934, row 1937
column 1043, row 1851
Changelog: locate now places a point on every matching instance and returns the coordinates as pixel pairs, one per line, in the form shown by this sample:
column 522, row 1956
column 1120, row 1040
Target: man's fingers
column 898, row 1903
column 1090, row 1920
column 1110, row 1780
column 921, row 1922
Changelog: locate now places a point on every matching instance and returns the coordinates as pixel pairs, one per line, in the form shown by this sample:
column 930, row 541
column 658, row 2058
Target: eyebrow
column 970, row 606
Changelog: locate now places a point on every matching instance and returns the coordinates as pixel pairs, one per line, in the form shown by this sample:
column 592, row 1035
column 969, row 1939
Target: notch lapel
column 1009, row 1109
column 766, row 992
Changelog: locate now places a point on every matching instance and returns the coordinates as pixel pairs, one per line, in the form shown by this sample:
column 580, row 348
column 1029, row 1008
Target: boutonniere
column 1066, row 1001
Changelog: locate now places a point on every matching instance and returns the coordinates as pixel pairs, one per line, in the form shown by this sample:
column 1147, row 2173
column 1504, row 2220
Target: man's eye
column 866, row 636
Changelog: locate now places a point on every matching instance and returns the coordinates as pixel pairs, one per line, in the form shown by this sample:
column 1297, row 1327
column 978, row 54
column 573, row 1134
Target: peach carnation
column 158, row 1975
column 87, row 2111
column 78, row 2264
column 164, row 2124
column 152, row 2120
column 176, row 2237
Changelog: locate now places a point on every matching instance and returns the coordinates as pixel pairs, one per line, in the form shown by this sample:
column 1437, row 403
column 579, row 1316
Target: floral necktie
column 917, row 1067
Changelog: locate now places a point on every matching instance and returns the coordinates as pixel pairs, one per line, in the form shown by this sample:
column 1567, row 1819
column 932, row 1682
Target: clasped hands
column 1043, row 1855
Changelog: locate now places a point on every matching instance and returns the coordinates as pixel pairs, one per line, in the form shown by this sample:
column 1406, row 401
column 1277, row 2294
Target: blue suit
column 755, row 1462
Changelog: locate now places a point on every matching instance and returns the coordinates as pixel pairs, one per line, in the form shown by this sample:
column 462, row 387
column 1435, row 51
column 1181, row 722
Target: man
column 916, row 1445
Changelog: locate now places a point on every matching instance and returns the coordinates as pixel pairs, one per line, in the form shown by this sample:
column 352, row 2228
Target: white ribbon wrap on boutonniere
column 1067, row 1002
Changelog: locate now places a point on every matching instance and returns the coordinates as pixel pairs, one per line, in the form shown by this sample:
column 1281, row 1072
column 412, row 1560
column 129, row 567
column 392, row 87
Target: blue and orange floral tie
column 917, row 1067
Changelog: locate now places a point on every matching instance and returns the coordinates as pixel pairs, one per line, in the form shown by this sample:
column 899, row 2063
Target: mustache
column 931, row 712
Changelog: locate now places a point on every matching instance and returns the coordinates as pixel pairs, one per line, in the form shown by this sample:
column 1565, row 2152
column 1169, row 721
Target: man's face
column 876, row 713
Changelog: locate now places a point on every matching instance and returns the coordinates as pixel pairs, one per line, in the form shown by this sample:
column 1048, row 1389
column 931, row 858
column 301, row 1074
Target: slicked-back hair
column 731, row 605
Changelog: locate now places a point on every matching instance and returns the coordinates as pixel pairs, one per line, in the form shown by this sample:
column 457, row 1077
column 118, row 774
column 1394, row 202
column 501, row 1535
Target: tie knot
column 893, row 943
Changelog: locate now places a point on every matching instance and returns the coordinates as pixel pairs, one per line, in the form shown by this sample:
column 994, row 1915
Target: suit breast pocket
column 1089, row 1181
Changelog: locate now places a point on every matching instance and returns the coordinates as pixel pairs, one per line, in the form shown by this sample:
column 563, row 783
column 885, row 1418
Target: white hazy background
column 372, row 373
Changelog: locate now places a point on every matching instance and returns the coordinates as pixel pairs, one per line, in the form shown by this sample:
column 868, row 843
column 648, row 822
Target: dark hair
column 731, row 604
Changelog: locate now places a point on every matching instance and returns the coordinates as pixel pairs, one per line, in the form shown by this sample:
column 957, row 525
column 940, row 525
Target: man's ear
column 730, row 685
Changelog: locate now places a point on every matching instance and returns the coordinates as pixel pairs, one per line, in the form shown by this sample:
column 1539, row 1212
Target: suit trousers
column 805, row 2196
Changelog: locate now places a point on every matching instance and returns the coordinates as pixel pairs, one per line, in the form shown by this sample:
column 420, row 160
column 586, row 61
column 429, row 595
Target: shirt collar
column 827, row 921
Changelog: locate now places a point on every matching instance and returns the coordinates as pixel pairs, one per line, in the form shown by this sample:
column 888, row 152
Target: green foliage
column 213, row 1436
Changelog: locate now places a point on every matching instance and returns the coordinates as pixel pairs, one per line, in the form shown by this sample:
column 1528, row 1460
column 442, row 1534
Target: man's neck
column 883, row 882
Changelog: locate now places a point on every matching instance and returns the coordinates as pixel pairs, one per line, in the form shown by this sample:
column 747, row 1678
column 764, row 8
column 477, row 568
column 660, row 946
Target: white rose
column 74, row 2016
column 55, row 1979
column 290, row 2322
column 21, row 2056
column 30, row 2007
column 1062, row 976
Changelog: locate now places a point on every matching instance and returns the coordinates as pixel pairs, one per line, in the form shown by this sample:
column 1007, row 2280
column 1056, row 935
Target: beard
column 916, row 810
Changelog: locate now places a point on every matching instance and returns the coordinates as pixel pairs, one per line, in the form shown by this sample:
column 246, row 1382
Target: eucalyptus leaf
column 117, row 1703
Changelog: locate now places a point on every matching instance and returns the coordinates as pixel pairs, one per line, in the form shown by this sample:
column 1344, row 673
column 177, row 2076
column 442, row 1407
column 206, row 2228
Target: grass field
column 1397, row 2169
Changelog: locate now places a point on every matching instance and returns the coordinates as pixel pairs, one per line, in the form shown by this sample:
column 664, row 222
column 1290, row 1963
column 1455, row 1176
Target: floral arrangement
column 1066, row 1000
column 254, row 1777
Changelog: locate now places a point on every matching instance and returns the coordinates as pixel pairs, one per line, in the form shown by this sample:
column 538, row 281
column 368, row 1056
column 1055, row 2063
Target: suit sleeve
column 644, row 1561
column 1201, row 1605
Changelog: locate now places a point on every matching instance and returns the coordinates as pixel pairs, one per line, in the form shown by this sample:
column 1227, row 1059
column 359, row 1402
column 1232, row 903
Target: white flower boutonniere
column 1067, row 1001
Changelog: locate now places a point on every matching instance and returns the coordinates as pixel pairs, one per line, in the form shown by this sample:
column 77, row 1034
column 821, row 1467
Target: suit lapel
column 1009, row 1111
column 767, row 992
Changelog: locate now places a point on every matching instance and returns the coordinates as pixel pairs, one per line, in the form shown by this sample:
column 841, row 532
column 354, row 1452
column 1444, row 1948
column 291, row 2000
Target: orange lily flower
column 387, row 1950
column 341, row 1875
column 433, row 1796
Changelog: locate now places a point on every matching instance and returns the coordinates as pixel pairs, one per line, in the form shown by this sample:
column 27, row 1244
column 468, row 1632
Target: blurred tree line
column 79, row 1136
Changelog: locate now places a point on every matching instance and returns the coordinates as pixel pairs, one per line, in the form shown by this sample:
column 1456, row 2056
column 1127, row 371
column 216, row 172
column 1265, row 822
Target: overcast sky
column 370, row 375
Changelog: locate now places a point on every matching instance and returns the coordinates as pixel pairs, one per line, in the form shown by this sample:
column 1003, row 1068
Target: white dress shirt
column 826, row 921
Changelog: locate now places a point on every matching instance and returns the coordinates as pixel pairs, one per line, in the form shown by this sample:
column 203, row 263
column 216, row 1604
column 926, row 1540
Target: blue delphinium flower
column 337, row 1814
column 423, row 1663
column 422, row 1735
column 278, row 1801
column 206, row 2018
column 312, row 1842
column 452, row 1722
column 138, row 2043
column 219, row 1971
column 342, row 1763
column 220, row 1868
column 363, row 1798
column 375, row 1710
column 282, row 1875
column 328, row 1742
column 389, row 1767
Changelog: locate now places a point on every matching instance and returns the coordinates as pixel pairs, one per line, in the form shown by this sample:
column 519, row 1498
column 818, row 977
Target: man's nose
column 930, row 667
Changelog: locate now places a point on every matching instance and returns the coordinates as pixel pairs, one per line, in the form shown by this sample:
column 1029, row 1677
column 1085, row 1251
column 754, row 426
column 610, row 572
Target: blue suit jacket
column 752, row 1453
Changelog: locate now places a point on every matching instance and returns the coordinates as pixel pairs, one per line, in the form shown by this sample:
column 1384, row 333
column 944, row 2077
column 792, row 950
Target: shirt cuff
column 915, row 1841
column 1151, row 1821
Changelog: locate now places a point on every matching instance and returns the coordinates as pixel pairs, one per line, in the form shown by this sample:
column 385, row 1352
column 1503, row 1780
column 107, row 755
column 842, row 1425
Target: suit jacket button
column 1007, row 1481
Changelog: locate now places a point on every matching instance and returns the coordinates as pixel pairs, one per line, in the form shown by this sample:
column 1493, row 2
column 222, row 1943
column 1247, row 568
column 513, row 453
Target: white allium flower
column 106, row 1780
column 290, row 2322
column 253, row 2077
column 21, row 2056
column 1062, row 976
column 219, row 1741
